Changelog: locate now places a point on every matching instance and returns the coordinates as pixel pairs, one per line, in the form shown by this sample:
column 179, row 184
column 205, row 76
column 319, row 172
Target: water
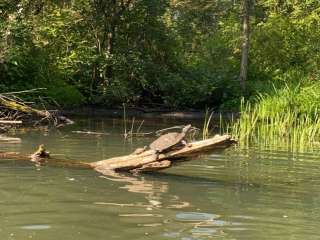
column 233, row 194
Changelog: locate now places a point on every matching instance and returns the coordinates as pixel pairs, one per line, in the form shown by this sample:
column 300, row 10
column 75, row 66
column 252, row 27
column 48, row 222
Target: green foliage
column 64, row 95
column 173, row 53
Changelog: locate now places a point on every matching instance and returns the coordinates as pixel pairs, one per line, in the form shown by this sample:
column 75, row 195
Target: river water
column 251, row 193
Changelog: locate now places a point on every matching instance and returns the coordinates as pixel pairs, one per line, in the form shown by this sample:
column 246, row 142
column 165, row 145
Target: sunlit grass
column 281, row 119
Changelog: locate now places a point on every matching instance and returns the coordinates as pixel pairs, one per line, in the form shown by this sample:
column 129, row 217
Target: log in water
column 147, row 161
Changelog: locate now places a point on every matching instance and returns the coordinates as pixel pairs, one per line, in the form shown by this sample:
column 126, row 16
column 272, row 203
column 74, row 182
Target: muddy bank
column 143, row 113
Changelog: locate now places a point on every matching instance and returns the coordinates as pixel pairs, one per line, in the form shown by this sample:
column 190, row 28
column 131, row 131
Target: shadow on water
column 196, row 180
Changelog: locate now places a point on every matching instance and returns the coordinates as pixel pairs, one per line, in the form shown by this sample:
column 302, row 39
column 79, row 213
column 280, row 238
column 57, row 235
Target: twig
column 91, row 133
column 10, row 139
column 160, row 131
column 138, row 130
column 170, row 128
column 24, row 91
column 141, row 134
column 156, row 133
column 10, row 121
column 132, row 125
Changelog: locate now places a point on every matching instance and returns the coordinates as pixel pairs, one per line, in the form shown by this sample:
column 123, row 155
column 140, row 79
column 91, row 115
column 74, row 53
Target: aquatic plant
column 289, row 117
column 206, row 124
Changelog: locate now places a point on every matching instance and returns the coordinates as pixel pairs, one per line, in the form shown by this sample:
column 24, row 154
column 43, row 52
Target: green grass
column 206, row 125
column 288, row 117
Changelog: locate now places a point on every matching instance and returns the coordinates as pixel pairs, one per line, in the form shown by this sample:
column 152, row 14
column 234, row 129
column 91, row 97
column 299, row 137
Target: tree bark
column 245, row 44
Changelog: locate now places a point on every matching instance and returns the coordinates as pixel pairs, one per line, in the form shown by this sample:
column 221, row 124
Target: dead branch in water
column 143, row 161
column 159, row 132
column 23, row 91
column 21, row 107
column 13, row 108
column 10, row 122
column 148, row 161
column 4, row 139
column 91, row 133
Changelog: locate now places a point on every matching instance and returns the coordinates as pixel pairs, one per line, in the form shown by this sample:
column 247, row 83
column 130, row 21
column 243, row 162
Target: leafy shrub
column 65, row 95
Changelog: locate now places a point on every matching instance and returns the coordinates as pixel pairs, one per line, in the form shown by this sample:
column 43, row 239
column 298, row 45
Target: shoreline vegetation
column 285, row 118
column 281, row 119
column 288, row 118
column 259, row 60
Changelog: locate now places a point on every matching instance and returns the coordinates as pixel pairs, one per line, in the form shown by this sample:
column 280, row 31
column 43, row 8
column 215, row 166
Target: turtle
column 169, row 140
column 40, row 154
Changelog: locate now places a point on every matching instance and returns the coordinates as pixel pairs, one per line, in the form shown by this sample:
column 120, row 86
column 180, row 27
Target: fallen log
column 14, row 105
column 91, row 133
column 18, row 106
column 154, row 166
column 38, row 160
column 9, row 139
column 144, row 160
column 147, row 161
column 10, row 122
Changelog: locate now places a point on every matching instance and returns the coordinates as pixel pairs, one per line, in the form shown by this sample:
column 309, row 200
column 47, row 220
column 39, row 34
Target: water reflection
column 188, row 224
column 196, row 216
column 153, row 191
column 36, row 227
column 247, row 194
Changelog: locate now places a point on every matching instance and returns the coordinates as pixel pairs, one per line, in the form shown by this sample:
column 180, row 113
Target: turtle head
column 41, row 147
column 186, row 128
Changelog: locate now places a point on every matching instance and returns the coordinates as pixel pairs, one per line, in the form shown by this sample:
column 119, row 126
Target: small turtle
column 40, row 154
column 169, row 140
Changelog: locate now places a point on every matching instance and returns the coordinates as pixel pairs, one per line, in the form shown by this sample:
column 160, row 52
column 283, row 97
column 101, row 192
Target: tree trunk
column 110, row 47
column 245, row 44
column 111, row 40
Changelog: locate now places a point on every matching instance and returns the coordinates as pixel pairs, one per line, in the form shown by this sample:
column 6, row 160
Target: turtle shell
column 166, row 141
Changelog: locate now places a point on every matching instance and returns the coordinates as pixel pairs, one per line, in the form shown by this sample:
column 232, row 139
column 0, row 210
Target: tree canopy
column 173, row 53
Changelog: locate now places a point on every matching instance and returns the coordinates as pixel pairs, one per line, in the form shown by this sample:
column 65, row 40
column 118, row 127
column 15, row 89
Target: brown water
column 233, row 194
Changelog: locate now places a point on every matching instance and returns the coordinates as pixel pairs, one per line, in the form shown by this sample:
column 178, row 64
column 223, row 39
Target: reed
column 124, row 121
column 206, row 124
column 280, row 119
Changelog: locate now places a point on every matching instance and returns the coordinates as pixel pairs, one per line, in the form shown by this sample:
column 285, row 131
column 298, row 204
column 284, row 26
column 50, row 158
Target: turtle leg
column 157, row 154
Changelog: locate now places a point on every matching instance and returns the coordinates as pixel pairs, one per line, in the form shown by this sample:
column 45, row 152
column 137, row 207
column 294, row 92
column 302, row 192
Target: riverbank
column 144, row 113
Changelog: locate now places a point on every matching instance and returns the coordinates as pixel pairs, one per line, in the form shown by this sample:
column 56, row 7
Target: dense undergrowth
column 173, row 54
